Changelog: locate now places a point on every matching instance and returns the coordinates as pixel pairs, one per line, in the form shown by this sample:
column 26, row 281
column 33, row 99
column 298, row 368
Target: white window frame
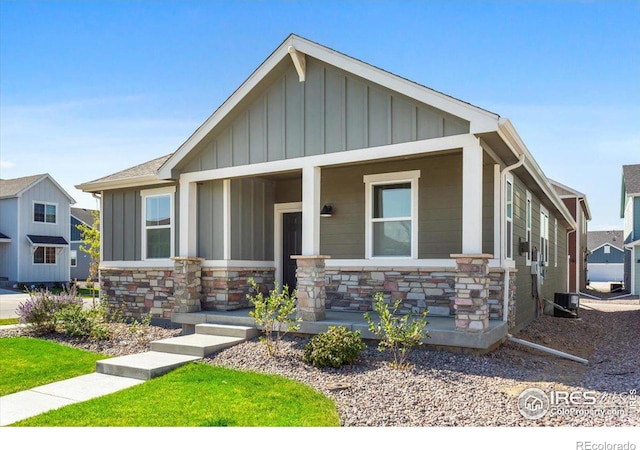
column 45, row 263
column 544, row 234
column 528, row 219
column 159, row 192
column 73, row 257
column 370, row 181
column 508, row 243
column 33, row 212
column 607, row 249
column 555, row 242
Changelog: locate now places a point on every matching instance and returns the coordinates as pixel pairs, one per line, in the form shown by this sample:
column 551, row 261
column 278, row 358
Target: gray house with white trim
column 79, row 261
column 630, row 212
column 605, row 262
column 35, row 224
column 325, row 173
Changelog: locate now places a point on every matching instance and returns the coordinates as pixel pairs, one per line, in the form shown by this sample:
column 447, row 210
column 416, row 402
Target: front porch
column 442, row 330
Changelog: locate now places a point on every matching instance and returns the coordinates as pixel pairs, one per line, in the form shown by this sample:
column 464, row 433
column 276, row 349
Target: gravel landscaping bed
column 454, row 389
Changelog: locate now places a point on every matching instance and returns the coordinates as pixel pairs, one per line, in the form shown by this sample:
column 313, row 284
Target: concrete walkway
column 115, row 374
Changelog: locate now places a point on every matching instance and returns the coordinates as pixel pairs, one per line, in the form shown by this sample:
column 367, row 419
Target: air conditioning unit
column 569, row 301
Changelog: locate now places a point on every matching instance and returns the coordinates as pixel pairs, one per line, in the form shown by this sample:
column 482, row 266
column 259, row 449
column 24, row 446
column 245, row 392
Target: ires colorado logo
column 534, row 403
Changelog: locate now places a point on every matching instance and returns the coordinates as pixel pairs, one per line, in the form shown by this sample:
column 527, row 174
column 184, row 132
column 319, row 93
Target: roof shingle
column 631, row 176
column 12, row 187
column 141, row 170
column 597, row 239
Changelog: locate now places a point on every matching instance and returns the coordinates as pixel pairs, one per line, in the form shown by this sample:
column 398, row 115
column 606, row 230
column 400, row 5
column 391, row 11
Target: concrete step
column 239, row 331
column 143, row 366
column 199, row 345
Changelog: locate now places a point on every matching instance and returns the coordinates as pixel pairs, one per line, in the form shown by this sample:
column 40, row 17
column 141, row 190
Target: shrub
column 397, row 333
column 334, row 348
column 78, row 321
column 40, row 311
column 275, row 314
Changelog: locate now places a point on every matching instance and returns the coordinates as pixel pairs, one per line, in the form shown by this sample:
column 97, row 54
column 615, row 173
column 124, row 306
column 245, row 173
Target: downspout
column 569, row 261
column 503, row 260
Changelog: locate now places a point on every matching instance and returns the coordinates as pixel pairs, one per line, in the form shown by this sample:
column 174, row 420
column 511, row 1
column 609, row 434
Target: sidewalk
column 21, row 405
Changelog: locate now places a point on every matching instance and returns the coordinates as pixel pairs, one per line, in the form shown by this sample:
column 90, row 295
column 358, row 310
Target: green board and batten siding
column 122, row 224
column 331, row 111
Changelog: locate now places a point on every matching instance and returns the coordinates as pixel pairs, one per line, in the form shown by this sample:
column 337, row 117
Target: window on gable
column 158, row 227
column 607, row 249
column 44, row 255
column 44, row 212
column 392, row 214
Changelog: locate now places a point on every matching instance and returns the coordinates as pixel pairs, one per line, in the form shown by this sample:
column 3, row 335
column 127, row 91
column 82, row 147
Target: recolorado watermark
column 588, row 445
column 534, row 403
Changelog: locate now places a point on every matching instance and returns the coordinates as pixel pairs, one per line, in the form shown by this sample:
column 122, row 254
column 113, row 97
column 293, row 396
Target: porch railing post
column 472, row 292
column 310, row 288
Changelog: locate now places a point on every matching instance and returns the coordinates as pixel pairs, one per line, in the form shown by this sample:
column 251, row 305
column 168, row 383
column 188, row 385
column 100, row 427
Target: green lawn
column 201, row 395
column 27, row 362
column 10, row 321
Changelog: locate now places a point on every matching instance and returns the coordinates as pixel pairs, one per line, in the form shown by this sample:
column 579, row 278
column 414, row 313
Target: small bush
column 334, row 348
column 397, row 333
column 275, row 314
column 78, row 321
column 41, row 311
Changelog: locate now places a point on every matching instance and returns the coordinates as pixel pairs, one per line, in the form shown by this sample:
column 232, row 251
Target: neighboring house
column 630, row 212
column 605, row 262
column 35, row 222
column 362, row 180
column 576, row 203
column 80, row 261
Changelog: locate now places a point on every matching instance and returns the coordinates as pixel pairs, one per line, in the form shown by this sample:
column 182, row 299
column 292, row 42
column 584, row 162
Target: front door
column 291, row 245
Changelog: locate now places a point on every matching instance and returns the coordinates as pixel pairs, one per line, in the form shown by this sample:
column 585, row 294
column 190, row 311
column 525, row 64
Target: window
column 44, row 212
column 73, row 256
column 544, row 236
column 528, row 228
column 509, row 219
column 44, row 255
column 607, row 249
column 157, row 226
column 555, row 242
column 392, row 214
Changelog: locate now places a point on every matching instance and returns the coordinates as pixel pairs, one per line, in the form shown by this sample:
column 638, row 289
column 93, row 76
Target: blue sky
column 90, row 88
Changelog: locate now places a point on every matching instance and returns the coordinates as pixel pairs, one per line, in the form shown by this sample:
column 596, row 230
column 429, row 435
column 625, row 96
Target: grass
column 10, row 321
column 201, row 395
column 28, row 362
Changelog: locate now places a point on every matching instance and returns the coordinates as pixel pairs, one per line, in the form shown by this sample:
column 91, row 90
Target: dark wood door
column 291, row 245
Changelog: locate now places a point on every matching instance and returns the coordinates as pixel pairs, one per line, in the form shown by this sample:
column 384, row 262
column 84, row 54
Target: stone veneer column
column 472, row 292
column 310, row 288
column 187, row 276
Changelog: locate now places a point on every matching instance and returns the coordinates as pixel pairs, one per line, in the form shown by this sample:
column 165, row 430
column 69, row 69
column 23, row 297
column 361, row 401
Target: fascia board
column 122, row 183
column 606, row 243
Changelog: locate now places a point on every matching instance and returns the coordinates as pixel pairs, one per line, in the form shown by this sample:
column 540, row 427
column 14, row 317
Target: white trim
column 609, row 244
column 226, row 219
column 158, row 192
column 71, row 258
column 101, row 227
column 411, row 176
column 528, row 222
column 544, row 212
column 236, row 263
column 311, row 210
column 279, row 209
column 472, row 199
column 33, row 212
column 5, row 241
column 47, row 176
column 333, row 159
column 148, row 264
column 390, row 263
column 44, row 255
column 632, row 267
column 508, row 251
column 555, row 243
column 145, row 180
column 497, row 212
column 188, row 219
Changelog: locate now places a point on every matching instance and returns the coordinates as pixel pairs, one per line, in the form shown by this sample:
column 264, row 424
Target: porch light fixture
column 327, row 211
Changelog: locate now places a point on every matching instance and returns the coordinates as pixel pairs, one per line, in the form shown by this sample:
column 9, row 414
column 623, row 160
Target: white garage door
column 605, row 272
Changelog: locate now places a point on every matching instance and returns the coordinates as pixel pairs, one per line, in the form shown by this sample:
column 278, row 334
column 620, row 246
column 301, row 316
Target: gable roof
column 631, row 178
column 596, row 239
column 83, row 215
column 565, row 191
column 139, row 175
column 481, row 120
column 15, row 187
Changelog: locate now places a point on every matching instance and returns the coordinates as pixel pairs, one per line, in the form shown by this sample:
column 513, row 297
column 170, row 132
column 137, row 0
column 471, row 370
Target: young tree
column 91, row 239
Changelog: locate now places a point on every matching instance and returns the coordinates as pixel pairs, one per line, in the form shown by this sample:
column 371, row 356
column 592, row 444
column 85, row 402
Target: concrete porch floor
column 441, row 329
